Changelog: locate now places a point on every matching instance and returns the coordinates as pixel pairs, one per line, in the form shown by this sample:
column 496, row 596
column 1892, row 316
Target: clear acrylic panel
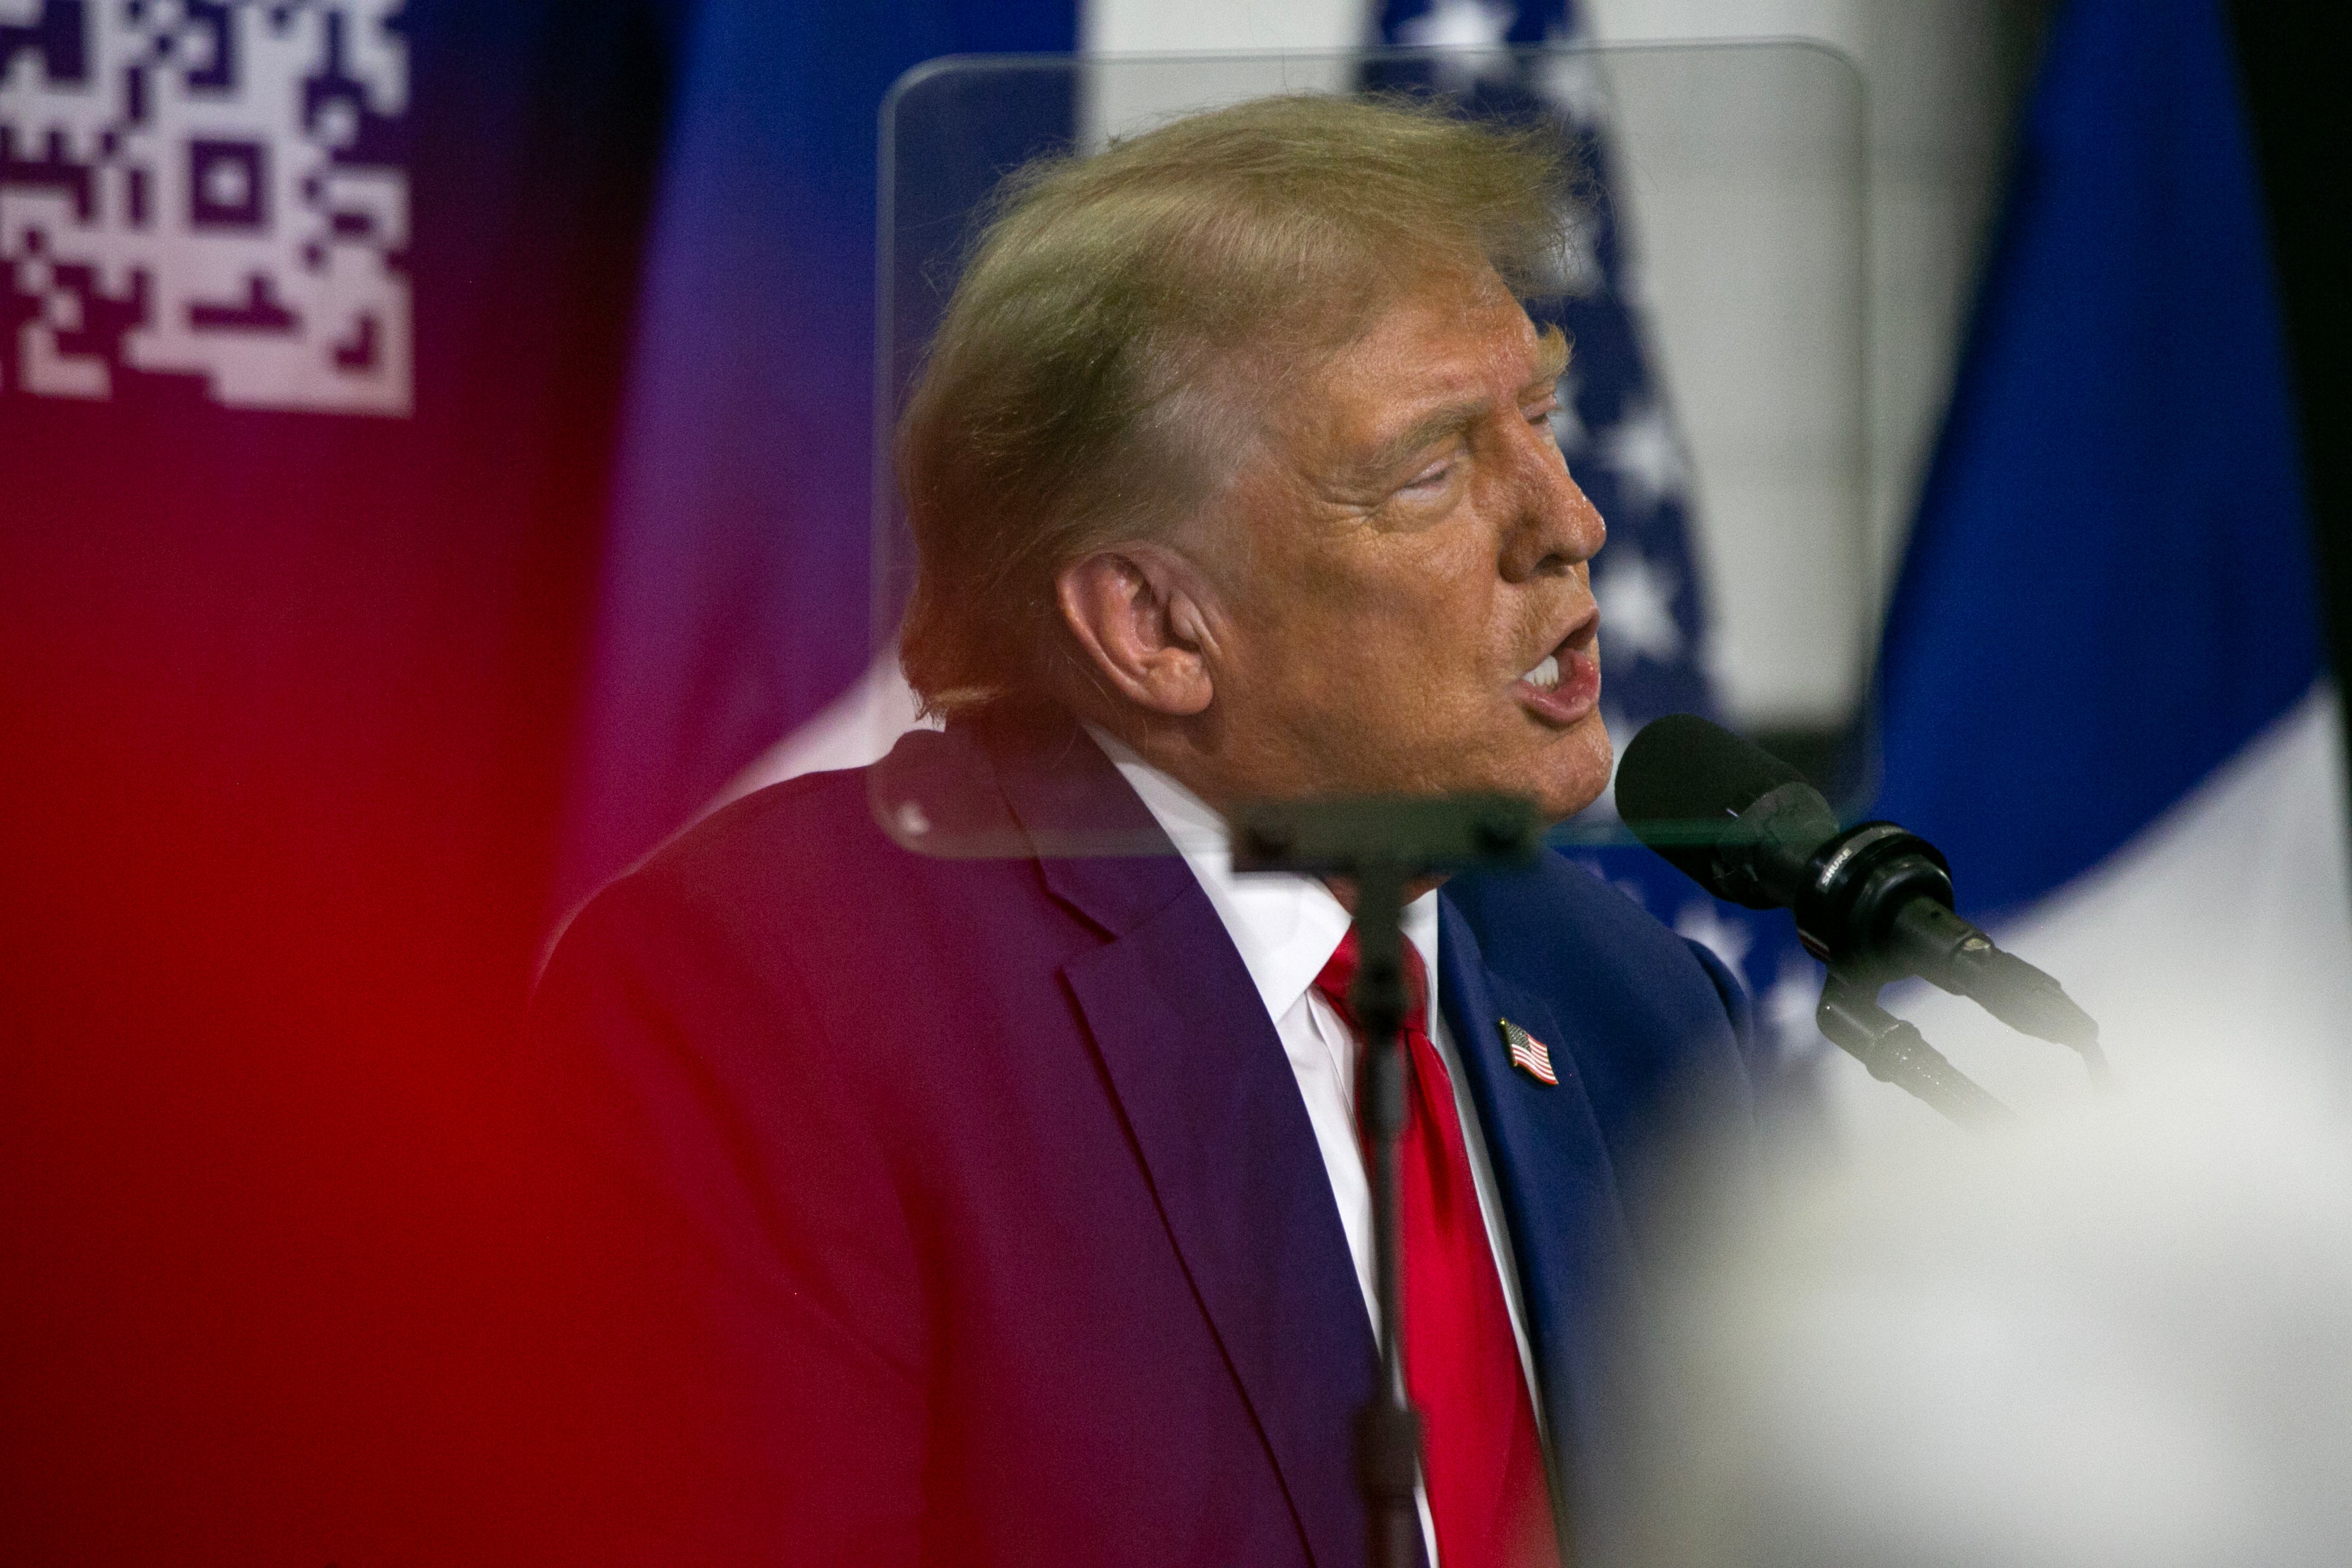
column 1715, row 292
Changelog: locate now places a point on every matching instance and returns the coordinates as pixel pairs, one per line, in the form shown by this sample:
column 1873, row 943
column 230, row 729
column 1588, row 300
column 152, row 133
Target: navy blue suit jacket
column 986, row 1222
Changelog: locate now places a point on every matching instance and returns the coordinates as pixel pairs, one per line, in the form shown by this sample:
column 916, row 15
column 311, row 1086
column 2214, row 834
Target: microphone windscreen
column 1682, row 774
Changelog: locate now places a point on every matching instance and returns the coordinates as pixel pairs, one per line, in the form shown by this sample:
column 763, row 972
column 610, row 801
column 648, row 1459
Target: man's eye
column 1541, row 414
column 1430, row 479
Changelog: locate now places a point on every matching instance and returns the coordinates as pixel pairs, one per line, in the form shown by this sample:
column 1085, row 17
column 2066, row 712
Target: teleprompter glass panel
column 1712, row 288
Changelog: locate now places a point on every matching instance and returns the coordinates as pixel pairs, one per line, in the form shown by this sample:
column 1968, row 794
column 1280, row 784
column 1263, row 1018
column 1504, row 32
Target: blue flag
column 2103, row 694
column 733, row 599
column 2110, row 586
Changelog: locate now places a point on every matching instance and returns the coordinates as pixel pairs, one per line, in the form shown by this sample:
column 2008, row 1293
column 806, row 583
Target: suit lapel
column 1215, row 1113
column 1558, row 1187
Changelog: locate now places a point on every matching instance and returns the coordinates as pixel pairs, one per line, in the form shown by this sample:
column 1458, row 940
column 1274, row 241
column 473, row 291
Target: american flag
column 1617, row 428
column 1528, row 1054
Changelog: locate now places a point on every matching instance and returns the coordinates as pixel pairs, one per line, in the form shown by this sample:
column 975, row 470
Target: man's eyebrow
column 1551, row 361
column 1551, row 358
column 1430, row 428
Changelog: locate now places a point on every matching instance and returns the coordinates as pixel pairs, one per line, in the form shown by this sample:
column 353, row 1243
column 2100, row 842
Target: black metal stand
column 1897, row 1053
column 1382, row 846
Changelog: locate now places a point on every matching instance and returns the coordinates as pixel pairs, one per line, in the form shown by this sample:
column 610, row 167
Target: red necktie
column 1482, row 1463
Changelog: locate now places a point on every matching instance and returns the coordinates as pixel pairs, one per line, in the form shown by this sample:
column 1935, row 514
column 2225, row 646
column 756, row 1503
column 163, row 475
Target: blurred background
column 437, row 464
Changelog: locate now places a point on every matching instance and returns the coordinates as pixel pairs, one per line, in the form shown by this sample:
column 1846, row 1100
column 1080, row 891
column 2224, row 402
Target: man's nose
column 1553, row 527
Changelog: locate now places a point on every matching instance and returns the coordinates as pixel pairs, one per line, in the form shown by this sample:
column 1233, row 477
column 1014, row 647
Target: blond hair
column 1080, row 391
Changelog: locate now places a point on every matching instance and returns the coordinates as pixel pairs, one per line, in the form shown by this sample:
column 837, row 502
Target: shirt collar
column 1286, row 925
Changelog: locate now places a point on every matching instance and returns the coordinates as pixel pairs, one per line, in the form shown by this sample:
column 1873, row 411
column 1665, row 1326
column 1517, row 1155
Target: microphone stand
column 1388, row 1430
column 1897, row 1053
column 1382, row 845
column 1873, row 901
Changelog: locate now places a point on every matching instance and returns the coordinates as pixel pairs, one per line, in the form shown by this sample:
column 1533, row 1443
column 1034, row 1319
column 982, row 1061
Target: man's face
column 1405, row 602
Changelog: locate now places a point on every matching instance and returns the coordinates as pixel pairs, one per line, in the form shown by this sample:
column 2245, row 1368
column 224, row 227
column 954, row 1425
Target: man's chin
column 1571, row 773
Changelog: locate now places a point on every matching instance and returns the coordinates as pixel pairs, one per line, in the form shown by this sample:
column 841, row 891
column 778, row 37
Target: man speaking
column 1011, row 1210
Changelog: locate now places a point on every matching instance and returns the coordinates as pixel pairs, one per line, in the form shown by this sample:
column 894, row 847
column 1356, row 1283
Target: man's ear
column 1139, row 613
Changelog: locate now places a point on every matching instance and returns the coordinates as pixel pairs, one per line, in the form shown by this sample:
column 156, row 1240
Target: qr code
column 210, row 187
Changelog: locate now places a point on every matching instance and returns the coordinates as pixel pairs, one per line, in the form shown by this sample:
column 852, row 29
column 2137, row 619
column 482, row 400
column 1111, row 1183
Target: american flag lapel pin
column 1529, row 1055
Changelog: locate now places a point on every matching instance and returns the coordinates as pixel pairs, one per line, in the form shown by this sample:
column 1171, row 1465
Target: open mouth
column 1564, row 686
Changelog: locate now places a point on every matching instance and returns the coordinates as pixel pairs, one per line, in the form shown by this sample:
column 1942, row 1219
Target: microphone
column 1874, row 901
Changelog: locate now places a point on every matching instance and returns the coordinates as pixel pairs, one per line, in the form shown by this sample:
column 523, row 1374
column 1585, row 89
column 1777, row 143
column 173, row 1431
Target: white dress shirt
column 1286, row 928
